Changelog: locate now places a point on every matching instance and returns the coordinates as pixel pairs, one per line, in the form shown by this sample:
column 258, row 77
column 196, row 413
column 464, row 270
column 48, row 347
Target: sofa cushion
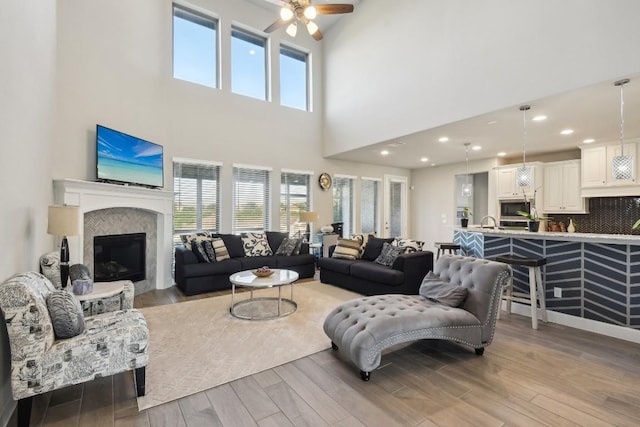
column 373, row 247
column 256, row 244
column 253, row 262
column 438, row 290
column 290, row 261
column 388, row 255
column 336, row 264
column 289, row 246
column 347, row 249
column 374, row 272
column 233, row 243
column 187, row 238
column 275, row 238
column 198, row 251
column 409, row 245
column 226, row 267
column 66, row 314
column 207, row 247
column 220, row 249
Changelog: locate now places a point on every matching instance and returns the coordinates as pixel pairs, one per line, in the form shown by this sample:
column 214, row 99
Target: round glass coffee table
column 263, row 308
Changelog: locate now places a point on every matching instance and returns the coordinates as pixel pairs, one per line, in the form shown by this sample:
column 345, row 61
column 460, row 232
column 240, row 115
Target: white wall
column 394, row 70
column 115, row 68
column 434, row 199
column 27, row 31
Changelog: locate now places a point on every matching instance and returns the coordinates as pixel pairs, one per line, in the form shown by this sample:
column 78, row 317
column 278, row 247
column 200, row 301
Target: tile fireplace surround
column 94, row 196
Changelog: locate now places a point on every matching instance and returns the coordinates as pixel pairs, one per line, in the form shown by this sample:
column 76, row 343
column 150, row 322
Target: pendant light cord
column 621, row 120
column 524, row 109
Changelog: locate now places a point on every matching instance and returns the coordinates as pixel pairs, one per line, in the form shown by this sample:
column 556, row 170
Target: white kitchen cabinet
column 597, row 171
column 506, row 186
column 562, row 188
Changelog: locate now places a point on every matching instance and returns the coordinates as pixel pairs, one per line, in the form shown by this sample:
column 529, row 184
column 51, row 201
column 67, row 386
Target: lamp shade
column 309, row 216
column 64, row 220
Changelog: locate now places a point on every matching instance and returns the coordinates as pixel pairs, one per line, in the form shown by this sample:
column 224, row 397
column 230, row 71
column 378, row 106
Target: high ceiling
column 591, row 112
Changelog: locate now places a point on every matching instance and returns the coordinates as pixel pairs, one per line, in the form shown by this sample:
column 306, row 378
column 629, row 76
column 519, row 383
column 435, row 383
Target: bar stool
column 446, row 246
column 536, row 287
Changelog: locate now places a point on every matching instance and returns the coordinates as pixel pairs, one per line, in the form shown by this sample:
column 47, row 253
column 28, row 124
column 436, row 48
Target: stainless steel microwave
column 509, row 208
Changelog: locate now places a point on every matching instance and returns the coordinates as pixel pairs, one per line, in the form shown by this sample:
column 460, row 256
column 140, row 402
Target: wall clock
column 325, row 181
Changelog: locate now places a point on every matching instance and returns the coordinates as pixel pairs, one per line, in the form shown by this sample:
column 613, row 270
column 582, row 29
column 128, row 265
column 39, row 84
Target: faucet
column 495, row 224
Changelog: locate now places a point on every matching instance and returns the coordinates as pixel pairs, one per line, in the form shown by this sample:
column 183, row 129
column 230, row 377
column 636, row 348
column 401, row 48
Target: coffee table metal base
column 262, row 308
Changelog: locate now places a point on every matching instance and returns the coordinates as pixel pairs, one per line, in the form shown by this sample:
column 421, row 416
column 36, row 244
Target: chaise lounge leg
column 365, row 376
column 333, row 346
column 140, row 381
column 480, row 351
column 24, row 411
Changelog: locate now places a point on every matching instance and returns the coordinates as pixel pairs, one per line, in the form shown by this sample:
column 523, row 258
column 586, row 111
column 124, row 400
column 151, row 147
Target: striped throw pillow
column 220, row 249
column 347, row 249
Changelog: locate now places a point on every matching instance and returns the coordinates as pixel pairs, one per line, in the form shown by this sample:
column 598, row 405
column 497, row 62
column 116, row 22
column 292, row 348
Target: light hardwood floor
column 555, row 376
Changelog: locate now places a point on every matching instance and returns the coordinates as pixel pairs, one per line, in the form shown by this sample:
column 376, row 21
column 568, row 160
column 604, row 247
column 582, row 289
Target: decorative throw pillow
column 50, row 268
column 79, row 271
column 188, row 238
column 361, row 239
column 82, row 286
column 408, row 245
column 256, row 244
column 373, row 247
column 436, row 289
column 66, row 314
column 347, row 249
column 220, row 249
column 207, row 247
column 289, row 246
column 196, row 248
column 388, row 254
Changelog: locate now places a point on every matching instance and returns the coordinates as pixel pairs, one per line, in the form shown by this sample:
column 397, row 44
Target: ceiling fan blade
column 317, row 35
column 278, row 24
column 331, row 9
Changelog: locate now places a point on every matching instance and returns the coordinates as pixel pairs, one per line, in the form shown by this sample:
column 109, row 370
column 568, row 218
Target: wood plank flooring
column 555, row 376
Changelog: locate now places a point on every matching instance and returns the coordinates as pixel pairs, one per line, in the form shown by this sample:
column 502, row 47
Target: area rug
column 197, row 345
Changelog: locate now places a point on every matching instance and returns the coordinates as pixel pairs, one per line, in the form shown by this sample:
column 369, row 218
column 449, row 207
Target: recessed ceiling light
column 566, row 132
column 492, row 122
column 384, row 152
column 443, row 139
column 433, row 164
column 539, row 118
column 424, row 159
column 588, row 140
column 502, row 154
column 476, row 148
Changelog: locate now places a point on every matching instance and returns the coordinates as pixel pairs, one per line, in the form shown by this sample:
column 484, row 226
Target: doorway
column 478, row 201
column 395, row 206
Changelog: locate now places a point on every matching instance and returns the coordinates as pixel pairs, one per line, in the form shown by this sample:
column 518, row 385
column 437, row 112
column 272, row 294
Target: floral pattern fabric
column 111, row 343
column 256, row 244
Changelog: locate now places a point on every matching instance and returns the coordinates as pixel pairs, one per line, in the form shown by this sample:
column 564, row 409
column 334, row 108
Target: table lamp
column 308, row 217
column 63, row 221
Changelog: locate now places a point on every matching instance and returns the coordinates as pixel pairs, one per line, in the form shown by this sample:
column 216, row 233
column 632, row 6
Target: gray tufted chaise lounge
column 363, row 327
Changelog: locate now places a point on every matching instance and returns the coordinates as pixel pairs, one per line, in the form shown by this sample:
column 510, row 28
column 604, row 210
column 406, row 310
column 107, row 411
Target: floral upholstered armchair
column 109, row 343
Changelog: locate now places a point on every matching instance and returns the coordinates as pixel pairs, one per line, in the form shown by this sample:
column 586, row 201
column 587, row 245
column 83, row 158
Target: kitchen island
column 597, row 275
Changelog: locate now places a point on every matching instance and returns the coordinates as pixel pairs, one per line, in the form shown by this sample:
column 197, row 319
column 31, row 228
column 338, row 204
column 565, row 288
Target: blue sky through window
column 248, row 65
column 293, row 79
column 194, row 51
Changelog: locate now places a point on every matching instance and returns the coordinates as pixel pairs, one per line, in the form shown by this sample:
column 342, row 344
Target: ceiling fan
column 303, row 11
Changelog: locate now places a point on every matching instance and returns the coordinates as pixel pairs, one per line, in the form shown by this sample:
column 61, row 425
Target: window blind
column 196, row 198
column 343, row 203
column 251, row 199
column 369, row 206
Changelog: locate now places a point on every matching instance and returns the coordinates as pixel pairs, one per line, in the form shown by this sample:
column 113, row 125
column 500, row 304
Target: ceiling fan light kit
column 305, row 12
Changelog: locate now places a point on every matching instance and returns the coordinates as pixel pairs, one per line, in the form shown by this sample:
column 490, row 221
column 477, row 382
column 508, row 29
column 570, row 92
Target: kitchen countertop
column 550, row 235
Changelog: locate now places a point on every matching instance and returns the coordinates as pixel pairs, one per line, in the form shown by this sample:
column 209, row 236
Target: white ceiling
column 592, row 112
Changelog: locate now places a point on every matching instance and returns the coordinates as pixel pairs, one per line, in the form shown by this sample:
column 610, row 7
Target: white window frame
column 350, row 227
column 250, row 32
column 299, row 228
column 378, row 206
column 308, row 88
column 266, row 197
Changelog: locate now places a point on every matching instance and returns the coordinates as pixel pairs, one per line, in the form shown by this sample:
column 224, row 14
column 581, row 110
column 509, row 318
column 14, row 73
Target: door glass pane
column 395, row 211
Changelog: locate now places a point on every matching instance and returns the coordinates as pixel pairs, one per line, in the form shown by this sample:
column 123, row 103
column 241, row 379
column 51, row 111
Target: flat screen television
column 123, row 158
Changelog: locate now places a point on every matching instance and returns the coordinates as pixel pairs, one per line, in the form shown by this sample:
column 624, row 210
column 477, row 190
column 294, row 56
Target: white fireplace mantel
column 92, row 196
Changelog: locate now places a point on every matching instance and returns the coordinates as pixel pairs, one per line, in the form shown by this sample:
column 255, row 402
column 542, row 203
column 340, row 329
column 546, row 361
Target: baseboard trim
column 614, row 331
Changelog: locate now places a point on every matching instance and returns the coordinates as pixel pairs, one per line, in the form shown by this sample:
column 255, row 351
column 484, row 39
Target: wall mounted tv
column 125, row 159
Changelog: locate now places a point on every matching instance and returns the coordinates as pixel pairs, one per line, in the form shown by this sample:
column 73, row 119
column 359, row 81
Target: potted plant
column 534, row 219
column 464, row 220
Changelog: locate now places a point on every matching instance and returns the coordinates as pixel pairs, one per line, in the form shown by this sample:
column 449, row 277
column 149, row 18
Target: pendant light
column 523, row 174
column 622, row 165
column 467, row 187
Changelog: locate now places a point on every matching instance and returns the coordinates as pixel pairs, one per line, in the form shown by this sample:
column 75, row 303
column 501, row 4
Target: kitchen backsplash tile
column 607, row 215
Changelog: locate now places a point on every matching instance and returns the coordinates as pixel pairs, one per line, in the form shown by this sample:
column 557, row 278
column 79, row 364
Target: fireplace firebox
column 119, row 257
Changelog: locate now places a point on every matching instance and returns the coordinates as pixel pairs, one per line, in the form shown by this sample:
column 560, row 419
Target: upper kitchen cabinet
column 597, row 171
column 506, row 182
column 562, row 188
